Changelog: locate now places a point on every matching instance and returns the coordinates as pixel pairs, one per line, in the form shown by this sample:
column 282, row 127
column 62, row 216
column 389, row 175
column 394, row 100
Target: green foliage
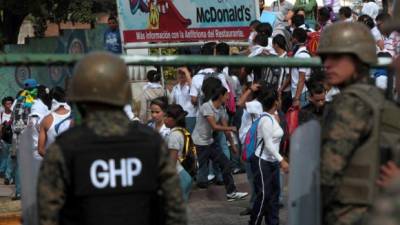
column 169, row 72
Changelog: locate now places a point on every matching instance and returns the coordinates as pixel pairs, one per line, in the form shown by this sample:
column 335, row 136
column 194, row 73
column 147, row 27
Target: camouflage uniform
column 56, row 177
column 346, row 125
column 387, row 207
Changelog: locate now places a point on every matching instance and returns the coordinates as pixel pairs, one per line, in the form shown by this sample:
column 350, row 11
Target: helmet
column 394, row 23
column 351, row 38
column 100, row 77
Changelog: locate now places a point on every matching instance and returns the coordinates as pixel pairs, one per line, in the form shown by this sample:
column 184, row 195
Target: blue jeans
column 214, row 153
column 267, row 189
column 221, row 139
column 186, row 184
column 4, row 155
column 190, row 123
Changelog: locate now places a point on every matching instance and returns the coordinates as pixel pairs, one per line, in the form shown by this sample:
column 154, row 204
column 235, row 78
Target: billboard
column 185, row 20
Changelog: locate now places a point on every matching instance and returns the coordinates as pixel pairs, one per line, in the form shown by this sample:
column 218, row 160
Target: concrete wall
column 70, row 41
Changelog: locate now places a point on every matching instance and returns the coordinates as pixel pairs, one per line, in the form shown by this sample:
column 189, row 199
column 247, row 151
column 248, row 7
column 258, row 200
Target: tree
column 13, row 13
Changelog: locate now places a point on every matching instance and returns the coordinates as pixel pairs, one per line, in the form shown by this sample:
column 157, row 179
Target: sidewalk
column 10, row 211
column 210, row 207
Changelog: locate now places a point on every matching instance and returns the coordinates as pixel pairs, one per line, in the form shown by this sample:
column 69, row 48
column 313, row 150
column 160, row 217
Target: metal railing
column 179, row 60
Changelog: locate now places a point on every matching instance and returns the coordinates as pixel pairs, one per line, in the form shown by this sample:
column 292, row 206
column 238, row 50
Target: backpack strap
column 262, row 139
column 186, row 141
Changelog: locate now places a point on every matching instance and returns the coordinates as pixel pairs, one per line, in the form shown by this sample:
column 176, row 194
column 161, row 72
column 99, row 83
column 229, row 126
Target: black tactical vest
column 113, row 180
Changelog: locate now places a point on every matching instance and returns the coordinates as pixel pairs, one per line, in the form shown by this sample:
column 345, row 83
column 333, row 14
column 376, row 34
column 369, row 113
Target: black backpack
column 6, row 131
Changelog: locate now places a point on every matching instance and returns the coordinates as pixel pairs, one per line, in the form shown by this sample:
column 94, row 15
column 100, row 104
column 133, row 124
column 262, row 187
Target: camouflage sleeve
column 174, row 207
column 51, row 186
column 344, row 128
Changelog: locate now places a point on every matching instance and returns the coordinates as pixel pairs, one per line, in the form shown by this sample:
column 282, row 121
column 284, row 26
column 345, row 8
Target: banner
column 185, row 20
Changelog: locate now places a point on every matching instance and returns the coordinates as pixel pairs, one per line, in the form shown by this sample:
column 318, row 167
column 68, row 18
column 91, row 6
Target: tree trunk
column 10, row 26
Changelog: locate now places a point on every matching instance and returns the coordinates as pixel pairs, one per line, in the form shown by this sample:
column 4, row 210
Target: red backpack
column 313, row 42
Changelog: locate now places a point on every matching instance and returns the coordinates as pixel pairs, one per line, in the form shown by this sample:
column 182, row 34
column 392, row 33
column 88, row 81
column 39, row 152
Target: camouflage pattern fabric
column 54, row 177
column 345, row 127
column 387, row 207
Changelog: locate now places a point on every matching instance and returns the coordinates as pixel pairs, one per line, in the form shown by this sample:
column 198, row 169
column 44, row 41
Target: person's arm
column 174, row 208
column 245, row 96
column 228, row 135
column 216, row 127
column 345, row 127
column 52, row 186
column 194, row 92
column 44, row 126
column 299, row 89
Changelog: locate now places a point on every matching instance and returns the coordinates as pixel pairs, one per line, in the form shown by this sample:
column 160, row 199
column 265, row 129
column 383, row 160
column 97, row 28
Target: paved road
column 209, row 207
column 205, row 207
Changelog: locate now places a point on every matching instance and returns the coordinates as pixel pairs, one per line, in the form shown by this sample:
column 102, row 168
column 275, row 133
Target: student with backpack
column 181, row 147
column 212, row 117
column 6, row 168
column 263, row 153
column 58, row 121
column 298, row 76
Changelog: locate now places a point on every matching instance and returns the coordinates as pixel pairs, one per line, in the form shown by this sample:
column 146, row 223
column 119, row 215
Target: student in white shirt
column 345, row 14
column 6, row 164
column 151, row 90
column 175, row 120
column 266, row 161
column 57, row 122
column 298, row 76
column 181, row 95
column 158, row 107
column 196, row 93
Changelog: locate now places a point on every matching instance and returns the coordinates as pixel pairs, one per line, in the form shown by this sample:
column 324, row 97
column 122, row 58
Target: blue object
column 268, row 17
column 30, row 83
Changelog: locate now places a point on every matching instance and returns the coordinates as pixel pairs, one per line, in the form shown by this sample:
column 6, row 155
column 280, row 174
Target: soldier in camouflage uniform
column 106, row 170
column 387, row 207
column 347, row 51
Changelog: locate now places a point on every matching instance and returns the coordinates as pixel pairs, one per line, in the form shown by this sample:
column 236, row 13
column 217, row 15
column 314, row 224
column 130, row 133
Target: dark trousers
column 214, row 153
column 267, row 190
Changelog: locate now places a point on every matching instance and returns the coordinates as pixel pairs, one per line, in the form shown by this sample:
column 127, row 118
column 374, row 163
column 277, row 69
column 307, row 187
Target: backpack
column 250, row 141
column 313, row 42
column 188, row 159
column 6, row 131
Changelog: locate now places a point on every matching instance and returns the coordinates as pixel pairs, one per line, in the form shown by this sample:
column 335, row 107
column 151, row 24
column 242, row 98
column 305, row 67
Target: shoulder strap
column 369, row 94
column 57, row 126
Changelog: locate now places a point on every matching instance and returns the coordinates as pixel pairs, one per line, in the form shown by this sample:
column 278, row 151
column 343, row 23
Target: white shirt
column 62, row 121
column 376, row 33
column 197, row 81
column 252, row 111
column 331, row 93
column 295, row 71
column 270, row 132
column 176, row 141
column 308, row 29
column 164, row 131
column 371, row 9
column 4, row 117
column 181, row 96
